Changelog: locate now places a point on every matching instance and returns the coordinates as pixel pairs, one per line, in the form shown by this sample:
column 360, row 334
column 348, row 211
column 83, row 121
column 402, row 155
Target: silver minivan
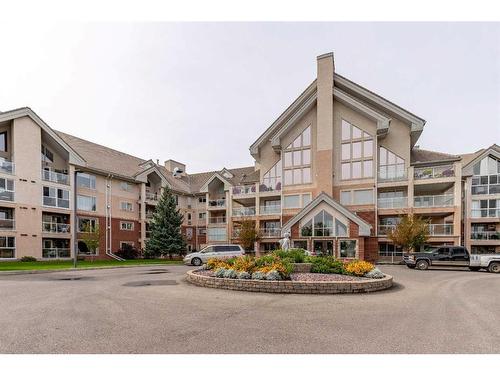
column 213, row 251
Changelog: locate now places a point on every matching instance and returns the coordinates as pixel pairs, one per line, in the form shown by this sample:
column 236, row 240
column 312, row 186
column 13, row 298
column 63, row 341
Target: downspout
column 109, row 243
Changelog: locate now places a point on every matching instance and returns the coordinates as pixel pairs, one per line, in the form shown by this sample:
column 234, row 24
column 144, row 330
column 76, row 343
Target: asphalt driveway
column 154, row 310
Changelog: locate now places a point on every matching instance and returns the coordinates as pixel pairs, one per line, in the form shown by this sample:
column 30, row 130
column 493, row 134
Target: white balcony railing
column 270, row 184
column 244, row 211
column 7, row 166
column 270, row 232
column 433, row 201
column 485, row 212
column 440, row 229
column 244, row 190
column 392, row 173
column 217, row 220
column 55, row 202
column 393, row 202
column 433, row 172
column 217, row 203
column 56, row 252
column 485, row 236
column 55, row 227
column 152, row 196
column 274, row 209
column 6, row 195
column 7, row 224
column 56, row 177
column 384, row 229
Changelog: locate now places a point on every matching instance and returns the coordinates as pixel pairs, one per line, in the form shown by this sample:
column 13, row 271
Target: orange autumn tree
column 410, row 234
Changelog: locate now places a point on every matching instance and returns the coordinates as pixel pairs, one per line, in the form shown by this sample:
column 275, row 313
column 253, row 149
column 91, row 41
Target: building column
column 72, row 216
column 143, row 215
column 457, row 203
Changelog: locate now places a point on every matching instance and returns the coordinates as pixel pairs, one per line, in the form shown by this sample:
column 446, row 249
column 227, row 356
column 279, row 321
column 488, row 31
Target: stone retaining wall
column 288, row 286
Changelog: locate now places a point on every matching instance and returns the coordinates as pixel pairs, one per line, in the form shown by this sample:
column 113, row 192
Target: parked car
column 213, row 251
column 453, row 256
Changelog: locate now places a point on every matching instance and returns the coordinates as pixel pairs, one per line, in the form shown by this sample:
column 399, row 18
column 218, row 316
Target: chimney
column 172, row 165
column 324, row 131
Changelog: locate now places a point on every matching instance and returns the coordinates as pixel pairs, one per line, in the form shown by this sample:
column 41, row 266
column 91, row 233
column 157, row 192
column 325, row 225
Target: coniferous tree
column 165, row 237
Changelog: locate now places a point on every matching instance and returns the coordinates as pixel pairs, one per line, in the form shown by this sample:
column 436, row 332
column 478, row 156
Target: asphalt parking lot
column 154, row 310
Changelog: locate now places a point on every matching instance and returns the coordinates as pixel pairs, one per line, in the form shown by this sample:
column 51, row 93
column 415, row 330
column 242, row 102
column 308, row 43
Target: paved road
column 107, row 311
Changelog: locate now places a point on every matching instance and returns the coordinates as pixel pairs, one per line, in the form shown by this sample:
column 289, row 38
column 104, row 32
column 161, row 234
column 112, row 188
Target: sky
column 201, row 93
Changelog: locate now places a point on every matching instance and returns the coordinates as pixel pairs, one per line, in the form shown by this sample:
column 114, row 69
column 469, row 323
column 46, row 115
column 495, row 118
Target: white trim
column 127, row 222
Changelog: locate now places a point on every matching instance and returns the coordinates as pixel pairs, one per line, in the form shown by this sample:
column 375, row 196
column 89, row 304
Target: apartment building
column 336, row 170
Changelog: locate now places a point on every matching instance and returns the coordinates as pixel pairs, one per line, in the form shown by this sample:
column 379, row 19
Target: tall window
column 86, row 224
column 86, row 180
column 7, row 247
column 6, row 189
column 125, row 186
column 357, row 152
column 47, row 155
column 486, row 179
column 85, row 203
column 3, row 141
column 321, row 225
column 391, row 166
column 126, row 206
column 55, row 197
column 297, row 159
column 272, row 179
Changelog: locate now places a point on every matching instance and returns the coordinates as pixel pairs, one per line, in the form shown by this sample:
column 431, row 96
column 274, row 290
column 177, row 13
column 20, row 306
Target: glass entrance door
column 323, row 247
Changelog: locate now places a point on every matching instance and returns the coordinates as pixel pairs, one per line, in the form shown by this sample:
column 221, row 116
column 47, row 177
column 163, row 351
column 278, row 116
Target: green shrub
column 273, row 275
column 327, row 264
column 295, row 255
column 265, row 260
column 28, row 259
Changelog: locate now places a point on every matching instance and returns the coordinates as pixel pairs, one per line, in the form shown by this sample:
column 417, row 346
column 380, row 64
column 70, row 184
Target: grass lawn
column 62, row 264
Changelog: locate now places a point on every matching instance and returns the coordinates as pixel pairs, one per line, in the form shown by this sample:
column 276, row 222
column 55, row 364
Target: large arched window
column 321, row 225
column 297, row 160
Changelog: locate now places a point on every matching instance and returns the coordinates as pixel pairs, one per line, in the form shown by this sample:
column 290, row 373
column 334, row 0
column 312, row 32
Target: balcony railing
column 56, row 252
column 433, row 201
column 6, row 195
column 217, row 203
column 273, row 184
column 7, row 166
column 440, row 229
column 217, row 220
column 485, row 212
column 55, row 202
column 55, row 227
column 216, row 237
column 149, row 215
column 7, row 224
column 244, row 189
column 486, row 235
column 434, row 172
column 384, row 229
column 274, row 209
column 152, row 196
column 270, row 232
column 57, row 177
column 244, row 211
column 393, row 202
column 392, row 173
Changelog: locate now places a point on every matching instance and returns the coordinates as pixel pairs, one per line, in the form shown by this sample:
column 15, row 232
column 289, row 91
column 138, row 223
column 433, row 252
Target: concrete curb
column 28, row 272
column 288, row 286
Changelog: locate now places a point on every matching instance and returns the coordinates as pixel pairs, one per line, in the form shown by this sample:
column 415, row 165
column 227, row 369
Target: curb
column 29, row 272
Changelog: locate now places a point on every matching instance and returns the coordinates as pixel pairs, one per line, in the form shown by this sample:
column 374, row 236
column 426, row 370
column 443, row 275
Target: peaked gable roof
column 471, row 159
column 364, row 227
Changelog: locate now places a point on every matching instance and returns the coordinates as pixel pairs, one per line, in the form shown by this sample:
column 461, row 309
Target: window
column 356, row 152
column 391, row 166
column 202, row 215
column 486, row 179
column 485, row 208
column 6, row 189
column 348, row 248
column 291, row 201
column 297, row 160
column 126, row 206
column 7, row 247
column 84, row 250
column 85, row 180
column 55, row 197
column 306, row 198
column 300, row 245
column 356, row 197
column 202, row 199
column 86, row 225
column 216, row 234
column 125, row 186
column 388, row 249
column 272, row 179
column 340, row 228
column 126, row 225
column 125, row 244
column 202, row 231
column 47, row 155
column 3, row 141
column 487, row 166
column 321, row 225
column 85, row 203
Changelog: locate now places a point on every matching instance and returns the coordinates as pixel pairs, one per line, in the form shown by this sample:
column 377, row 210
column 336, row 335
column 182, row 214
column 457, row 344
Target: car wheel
column 412, row 266
column 422, row 265
column 494, row 267
column 474, row 268
column 196, row 262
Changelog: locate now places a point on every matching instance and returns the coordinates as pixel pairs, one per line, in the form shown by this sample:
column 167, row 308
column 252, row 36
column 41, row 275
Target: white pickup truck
column 453, row 256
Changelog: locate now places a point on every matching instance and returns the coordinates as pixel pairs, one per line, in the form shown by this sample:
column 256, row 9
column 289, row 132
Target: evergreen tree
column 165, row 237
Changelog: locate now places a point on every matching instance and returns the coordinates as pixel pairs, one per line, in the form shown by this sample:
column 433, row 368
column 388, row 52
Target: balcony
column 149, row 215
column 50, row 227
column 244, row 190
column 274, row 209
column 216, row 203
column 270, row 232
column 425, row 173
column 385, row 229
column 485, row 213
column 7, row 224
column 55, row 202
column 244, row 211
column 485, row 236
column 270, row 185
column 152, row 196
column 7, row 167
column 387, row 173
column 56, row 252
column 393, row 202
column 217, row 220
column 421, row 201
column 440, row 229
column 59, row 178
column 6, row 195
column 486, row 185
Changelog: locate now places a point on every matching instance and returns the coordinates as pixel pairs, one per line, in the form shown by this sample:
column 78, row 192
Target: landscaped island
column 291, row 272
